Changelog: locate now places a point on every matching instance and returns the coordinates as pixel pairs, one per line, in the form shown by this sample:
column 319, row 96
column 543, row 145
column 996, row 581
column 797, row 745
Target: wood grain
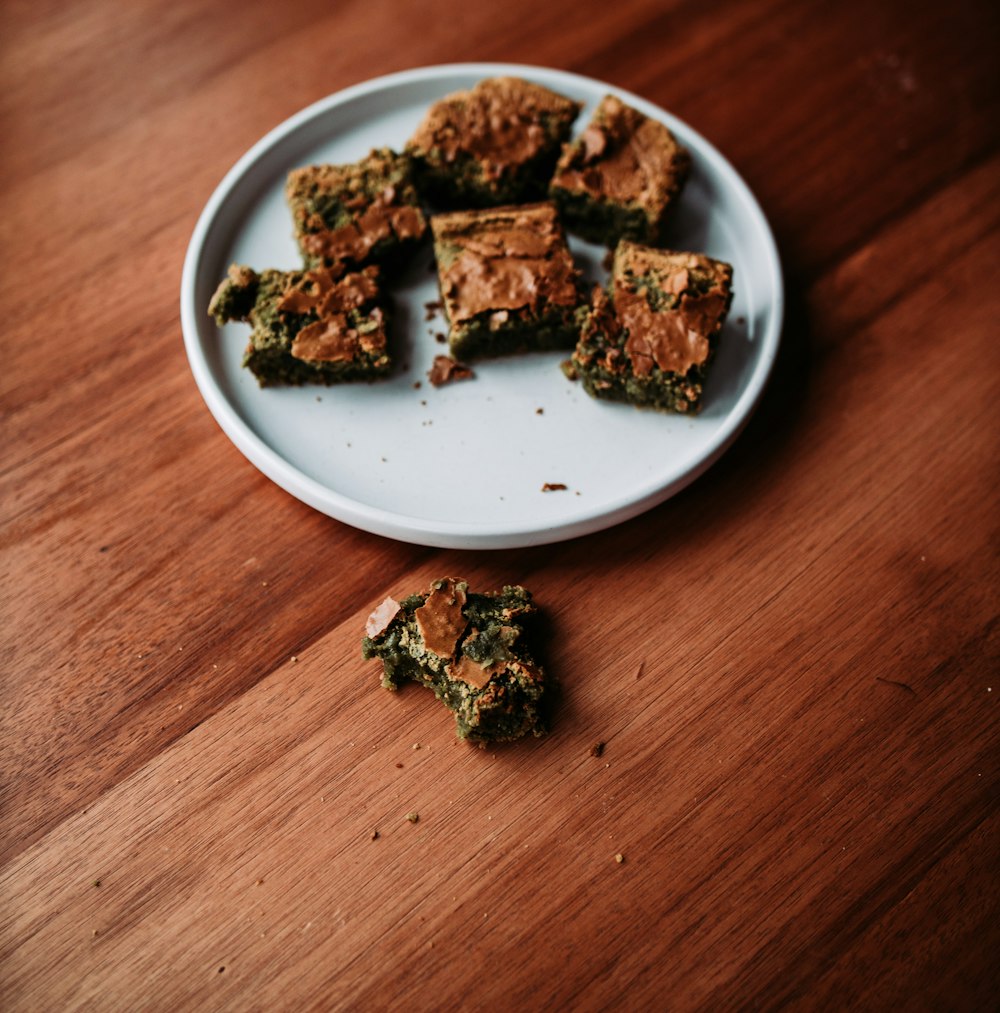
column 794, row 663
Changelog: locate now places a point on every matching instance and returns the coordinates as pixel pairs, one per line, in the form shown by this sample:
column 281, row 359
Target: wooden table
column 793, row 663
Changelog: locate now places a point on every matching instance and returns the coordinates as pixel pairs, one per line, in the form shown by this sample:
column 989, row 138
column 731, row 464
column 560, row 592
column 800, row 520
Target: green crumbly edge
column 511, row 704
column 308, row 195
column 462, row 183
column 603, row 221
column 253, row 298
column 662, row 390
column 523, row 331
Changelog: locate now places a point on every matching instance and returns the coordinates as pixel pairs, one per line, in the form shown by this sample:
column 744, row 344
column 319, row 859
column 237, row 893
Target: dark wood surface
column 794, row 663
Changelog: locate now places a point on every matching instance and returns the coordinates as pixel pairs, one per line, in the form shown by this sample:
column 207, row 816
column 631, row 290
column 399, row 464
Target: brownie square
column 508, row 282
column 651, row 341
column 471, row 650
column 353, row 215
column 317, row 326
column 494, row 144
column 620, row 178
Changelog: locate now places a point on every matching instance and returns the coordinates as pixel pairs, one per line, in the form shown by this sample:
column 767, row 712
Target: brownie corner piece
column 471, row 650
column 508, row 281
column 493, row 144
column 356, row 214
column 621, row 177
column 315, row 326
column 651, row 339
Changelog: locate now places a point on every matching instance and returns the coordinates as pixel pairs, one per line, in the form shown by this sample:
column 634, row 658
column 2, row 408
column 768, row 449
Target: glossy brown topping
column 325, row 292
column 674, row 336
column 508, row 259
column 439, row 619
column 446, row 369
column 625, row 157
column 499, row 123
column 332, row 337
column 473, row 672
column 378, row 622
column 355, row 241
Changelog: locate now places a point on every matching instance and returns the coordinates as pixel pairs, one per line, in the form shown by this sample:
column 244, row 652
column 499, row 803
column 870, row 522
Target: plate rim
column 466, row 534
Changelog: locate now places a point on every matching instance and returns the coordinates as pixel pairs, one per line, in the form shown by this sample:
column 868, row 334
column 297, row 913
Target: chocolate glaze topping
column 675, row 338
column 509, row 258
column 623, row 156
column 332, row 337
column 391, row 212
column 498, row 123
column 439, row 619
column 381, row 220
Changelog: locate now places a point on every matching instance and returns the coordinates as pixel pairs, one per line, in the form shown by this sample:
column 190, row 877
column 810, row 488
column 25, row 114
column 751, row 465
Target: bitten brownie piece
column 508, row 282
column 494, row 144
column 470, row 649
column 619, row 179
column 319, row 326
column 651, row 342
column 366, row 212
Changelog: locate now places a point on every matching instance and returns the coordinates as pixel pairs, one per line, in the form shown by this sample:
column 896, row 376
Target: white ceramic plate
column 463, row 465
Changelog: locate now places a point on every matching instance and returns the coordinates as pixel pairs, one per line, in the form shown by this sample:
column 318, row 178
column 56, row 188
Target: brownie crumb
column 569, row 369
column 472, row 650
column 432, row 308
column 374, row 835
column 554, row 487
column 597, row 749
column 440, row 337
column 539, row 411
column 446, row 369
column 413, row 817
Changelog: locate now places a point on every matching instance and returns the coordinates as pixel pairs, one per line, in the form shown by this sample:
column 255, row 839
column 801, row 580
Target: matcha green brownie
column 318, row 326
column 651, row 340
column 471, row 650
column 508, row 282
column 620, row 178
column 494, row 144
column 365, row 212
